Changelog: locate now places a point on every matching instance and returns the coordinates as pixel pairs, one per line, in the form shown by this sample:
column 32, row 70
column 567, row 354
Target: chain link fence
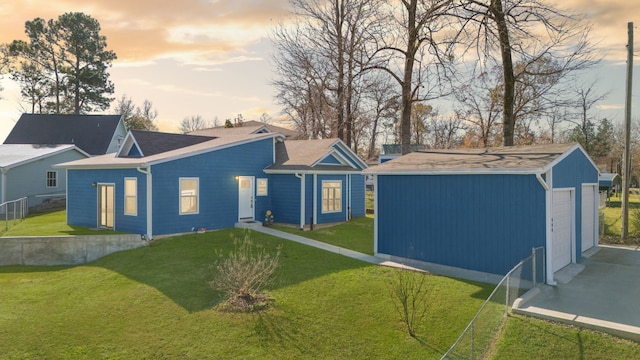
column 478, row 339
column 11, row 212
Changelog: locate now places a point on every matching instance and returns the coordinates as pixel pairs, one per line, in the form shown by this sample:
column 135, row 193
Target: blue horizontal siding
column 357, row 195
column 330, row 160
column 486, row 223
column 82, row 198
column 285, row 198
column 216, row 171
column 332, row 216
column 573, row 171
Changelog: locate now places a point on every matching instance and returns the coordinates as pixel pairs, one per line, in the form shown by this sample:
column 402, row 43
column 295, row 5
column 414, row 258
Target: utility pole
column 626, row 166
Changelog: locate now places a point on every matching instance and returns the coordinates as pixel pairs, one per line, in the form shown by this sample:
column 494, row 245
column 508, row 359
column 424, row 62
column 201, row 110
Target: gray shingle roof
column 248, row 127
column 508, row 159
column 304, row 154
column 90, row 133
column 16, row 154
column 152, row 143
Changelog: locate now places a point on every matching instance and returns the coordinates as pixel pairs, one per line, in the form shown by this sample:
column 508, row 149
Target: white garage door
column 588, row 217
column 561, row 223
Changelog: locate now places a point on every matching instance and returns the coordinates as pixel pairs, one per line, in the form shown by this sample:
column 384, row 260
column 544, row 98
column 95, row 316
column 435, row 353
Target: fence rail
column 14, row 211
column 478, row 338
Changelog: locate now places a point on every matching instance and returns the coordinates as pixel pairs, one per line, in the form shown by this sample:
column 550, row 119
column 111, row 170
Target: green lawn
column 613, row 220
column 49, row 224
column 154, row 302
column 356, row 235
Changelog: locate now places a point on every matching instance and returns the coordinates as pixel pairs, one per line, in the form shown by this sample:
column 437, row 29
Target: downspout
column 375, row 214
column 4, row 185
column 149, row 201
column 549, row 225
column 301, row 177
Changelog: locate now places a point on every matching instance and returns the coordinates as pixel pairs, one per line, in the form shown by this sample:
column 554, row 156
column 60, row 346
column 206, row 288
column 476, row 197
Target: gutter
column 147, row 172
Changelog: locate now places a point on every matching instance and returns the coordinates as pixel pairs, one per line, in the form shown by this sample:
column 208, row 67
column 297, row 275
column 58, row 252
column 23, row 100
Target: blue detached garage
column 485, row 209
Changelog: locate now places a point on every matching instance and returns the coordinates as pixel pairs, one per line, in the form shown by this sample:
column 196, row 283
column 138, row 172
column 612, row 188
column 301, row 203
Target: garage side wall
column 573, row 171
column 485, row 223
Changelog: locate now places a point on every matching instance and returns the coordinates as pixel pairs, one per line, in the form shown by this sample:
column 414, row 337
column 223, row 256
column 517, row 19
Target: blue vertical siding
column 285, row 198
column 330, row 160
column 218, row 196
column 334, row 216
column 349, row 156
column 82, row 198
column 480, row 222
column 572, row 172
column 357, row 195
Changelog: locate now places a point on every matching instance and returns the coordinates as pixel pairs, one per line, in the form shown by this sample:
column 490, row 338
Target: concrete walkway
column 601, row 293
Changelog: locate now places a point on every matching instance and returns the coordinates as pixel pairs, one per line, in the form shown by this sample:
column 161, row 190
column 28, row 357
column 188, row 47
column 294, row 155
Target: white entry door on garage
column 589, row 217
column 562, row 223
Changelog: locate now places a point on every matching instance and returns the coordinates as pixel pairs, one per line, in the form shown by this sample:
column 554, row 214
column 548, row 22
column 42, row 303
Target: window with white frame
column 52, row 178
column 131, row 196
column 261, row 189
column 188, row 195
column 331, row 196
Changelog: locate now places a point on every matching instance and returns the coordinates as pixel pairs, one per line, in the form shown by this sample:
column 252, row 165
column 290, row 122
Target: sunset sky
column 212, row 58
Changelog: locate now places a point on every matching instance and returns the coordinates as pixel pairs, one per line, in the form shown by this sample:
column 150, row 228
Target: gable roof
column 151, row 142
column 114, row 161
column 91, row 133
column 248, row 127
column 12, row 155
column 315, row 155
column 508, row 159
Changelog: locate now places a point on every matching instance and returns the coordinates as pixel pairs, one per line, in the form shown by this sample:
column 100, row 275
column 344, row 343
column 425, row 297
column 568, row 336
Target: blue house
column 485, row 209
column 160, row 183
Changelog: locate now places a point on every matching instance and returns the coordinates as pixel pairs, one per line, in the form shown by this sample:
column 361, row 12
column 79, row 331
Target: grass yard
column 355, row 235
column 613, row 220
column 155, row 302
column 49, row 224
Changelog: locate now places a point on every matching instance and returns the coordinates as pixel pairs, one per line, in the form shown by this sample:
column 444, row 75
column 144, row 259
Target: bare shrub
column 408, row 290
column 243, row 274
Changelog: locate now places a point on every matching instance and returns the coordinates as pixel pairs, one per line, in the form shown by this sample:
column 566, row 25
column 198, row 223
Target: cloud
column 610, row 107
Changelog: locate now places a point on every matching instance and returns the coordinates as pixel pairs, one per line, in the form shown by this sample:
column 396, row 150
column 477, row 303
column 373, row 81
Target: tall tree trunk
column 339, row 13
column 407, row 95
column 508, row 119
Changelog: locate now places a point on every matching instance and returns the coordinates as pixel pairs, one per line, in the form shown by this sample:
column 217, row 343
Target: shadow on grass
column 181, row 267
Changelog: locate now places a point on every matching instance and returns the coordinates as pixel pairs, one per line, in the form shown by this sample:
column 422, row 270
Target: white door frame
column 99, row 222
column 246, row 198
column 550, row 259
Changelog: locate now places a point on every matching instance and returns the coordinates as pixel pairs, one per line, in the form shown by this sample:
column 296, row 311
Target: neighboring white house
column 27, row 171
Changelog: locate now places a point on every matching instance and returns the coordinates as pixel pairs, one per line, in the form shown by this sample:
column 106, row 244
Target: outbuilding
column 486, row 209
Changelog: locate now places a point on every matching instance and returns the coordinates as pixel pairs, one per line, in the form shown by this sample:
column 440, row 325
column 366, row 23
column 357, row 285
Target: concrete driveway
column 602, row 293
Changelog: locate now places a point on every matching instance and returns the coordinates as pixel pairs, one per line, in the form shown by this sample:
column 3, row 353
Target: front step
column 252, row 224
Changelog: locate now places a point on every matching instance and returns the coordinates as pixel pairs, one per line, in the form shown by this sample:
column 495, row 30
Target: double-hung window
column 52, row 179
column 189, row 191
column 131, row 196
column 331, row 196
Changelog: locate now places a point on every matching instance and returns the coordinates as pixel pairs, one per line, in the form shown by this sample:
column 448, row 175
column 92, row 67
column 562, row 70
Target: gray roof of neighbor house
column 152, row 143
column 12, row 155
column 91, row 133
column 304, row 155
column 248, row 127
column 511, row 159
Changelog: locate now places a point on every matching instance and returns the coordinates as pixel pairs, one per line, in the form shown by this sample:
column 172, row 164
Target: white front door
column 562, row 223
column 106, row 205
column 589, row 217
column 246, row 198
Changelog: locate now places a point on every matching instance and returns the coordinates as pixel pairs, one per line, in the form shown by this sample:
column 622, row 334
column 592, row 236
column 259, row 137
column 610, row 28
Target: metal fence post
column 506, row 305
column 473, row 354
column 535, row 270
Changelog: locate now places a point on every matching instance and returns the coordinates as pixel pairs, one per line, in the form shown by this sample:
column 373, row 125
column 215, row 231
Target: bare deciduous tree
column 193, row 123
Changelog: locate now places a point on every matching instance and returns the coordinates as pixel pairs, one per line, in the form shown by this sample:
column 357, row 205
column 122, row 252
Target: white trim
column 46, row 179
column 342, row 194
column 594, row 214
column 315, row 199
column 4, row 184
column 99, row 208
column 252, row 189
column 352, row 154
column 572, row 194
column 302, row 196
column 127, row 144
column 149, row 209
column 549, row 232
column 63, row 149
column 124, row 195
column 311, row 172
column 375, row 213
column 197, row 211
